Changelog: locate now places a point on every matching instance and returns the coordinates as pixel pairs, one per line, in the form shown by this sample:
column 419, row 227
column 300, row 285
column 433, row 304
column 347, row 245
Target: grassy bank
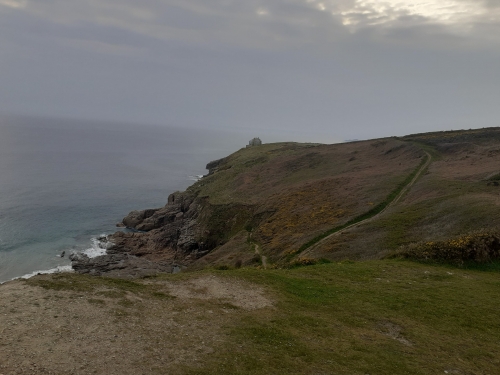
column 374, row 317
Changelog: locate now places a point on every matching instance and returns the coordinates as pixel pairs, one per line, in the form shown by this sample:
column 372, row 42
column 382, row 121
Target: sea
column 65, row 183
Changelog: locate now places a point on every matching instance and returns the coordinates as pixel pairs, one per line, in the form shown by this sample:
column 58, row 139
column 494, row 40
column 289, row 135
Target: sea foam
column 197, row 177
column 59, row 269
column 98, row 246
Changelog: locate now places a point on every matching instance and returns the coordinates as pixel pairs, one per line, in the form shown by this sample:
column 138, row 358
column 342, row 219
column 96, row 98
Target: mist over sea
column 63, row 183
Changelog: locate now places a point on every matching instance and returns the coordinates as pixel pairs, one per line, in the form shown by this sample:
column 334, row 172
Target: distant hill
column 274, row 200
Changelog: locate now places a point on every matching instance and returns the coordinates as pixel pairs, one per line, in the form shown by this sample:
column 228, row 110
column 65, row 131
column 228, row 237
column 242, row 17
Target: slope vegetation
column 280, row 202
column 458, row 194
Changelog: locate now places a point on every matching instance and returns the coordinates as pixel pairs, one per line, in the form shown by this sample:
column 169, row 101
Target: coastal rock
column 119, row 265
column 78, row 257
column 160, row 238
column 179, row 204
column 214, row 165
column 135, row 218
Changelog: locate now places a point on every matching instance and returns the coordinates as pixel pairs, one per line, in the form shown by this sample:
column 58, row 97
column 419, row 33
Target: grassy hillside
column 278, row 203
column 284, row 195
column 457, row 195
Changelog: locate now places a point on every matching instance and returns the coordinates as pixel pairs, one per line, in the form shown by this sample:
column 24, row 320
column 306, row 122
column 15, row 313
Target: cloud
column 270, row 24
column 317, row 25
column 13, row 3
column 356, row 14
column 282, row 63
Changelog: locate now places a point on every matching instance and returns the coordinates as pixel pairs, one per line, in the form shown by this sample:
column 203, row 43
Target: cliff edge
column 270, row 200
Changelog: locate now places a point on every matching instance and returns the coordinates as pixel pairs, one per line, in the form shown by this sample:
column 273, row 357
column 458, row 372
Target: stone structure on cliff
column 255, row 142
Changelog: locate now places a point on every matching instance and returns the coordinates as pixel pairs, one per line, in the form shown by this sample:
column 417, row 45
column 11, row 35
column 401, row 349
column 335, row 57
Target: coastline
column 60, row 199
column 97, row 248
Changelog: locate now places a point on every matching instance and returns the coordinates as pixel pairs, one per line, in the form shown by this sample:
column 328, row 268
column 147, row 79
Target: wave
column 197, row 177
column 99, row 245
column 58, row 269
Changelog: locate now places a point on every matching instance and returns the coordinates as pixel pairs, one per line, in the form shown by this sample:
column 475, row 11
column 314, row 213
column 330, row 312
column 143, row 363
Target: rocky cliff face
column 163, row 239
column 157, row 240
column 170, row 233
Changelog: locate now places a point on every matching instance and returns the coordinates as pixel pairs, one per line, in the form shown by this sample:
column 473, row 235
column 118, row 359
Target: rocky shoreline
column 161, row 240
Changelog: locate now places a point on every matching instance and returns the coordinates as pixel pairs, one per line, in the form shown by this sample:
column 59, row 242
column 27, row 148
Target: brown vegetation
column 477, row 247
column 454, row 197
column 282, row 197
column 300, row 191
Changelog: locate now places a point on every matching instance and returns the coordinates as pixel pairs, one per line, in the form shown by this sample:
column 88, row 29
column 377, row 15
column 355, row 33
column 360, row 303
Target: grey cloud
column 296, row 70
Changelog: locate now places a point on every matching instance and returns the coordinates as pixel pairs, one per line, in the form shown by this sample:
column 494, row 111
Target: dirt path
column 263, row 258
column 392, row 203
column 70, row 324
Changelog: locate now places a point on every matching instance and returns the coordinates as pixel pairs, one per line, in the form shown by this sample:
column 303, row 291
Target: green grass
column 401, row 225
column 220, row 188
column 84, row 283
column 99, row 286
column 377, row 317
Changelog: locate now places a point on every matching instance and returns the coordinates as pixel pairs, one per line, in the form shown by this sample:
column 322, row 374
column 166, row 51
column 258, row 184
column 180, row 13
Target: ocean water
column 64, row 183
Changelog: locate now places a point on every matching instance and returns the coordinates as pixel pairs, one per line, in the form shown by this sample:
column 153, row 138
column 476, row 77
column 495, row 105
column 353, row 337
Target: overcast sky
column 317, row 69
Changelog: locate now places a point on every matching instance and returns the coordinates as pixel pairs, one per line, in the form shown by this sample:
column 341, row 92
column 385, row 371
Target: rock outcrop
column 119, row 265
column 214, row 166
column 157, row 240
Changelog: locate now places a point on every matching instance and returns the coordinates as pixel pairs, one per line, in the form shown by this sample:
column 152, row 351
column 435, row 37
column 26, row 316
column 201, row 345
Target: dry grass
column 454, row 197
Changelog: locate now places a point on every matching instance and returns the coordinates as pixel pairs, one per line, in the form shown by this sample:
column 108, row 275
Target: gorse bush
column 477, row 247
column 307, row 262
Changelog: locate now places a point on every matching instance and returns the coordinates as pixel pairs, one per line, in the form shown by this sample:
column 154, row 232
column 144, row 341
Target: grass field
column 372, row 317
column 376, row 317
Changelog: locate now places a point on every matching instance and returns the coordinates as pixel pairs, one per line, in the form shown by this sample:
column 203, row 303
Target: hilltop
column 275, row 201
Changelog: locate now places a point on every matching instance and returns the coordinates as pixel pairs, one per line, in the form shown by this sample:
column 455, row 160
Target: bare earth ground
column 106, row 329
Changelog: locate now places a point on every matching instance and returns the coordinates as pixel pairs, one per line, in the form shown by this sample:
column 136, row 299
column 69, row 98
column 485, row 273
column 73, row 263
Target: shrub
column 477, row 247
column 257, row 259
column 372, row 212
column 495, row 177
column 307, row 262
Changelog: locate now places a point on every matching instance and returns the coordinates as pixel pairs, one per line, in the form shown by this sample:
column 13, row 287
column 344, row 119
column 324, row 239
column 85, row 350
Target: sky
column 312, row 70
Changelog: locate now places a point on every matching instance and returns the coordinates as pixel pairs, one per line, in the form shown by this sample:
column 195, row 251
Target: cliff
column 273, row 199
